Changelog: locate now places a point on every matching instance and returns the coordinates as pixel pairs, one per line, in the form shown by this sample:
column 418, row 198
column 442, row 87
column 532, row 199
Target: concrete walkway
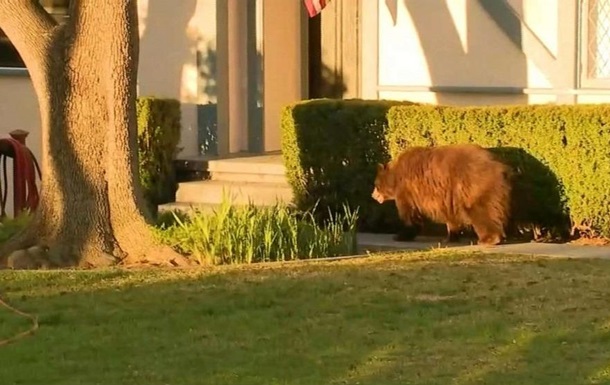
column 368, row 242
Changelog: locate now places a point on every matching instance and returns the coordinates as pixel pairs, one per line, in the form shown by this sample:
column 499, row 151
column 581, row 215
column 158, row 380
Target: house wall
column 473, row 52
column 178, row 58
column 18, row 110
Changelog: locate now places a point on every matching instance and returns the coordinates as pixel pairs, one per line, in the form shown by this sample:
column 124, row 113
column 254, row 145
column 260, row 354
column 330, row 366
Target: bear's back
column 445, row 181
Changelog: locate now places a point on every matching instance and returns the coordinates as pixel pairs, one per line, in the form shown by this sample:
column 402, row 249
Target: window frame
column 584, row 60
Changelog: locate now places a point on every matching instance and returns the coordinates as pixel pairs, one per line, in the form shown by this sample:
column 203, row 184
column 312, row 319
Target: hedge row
column 561, row 154
column 158, row 137
column 568, row 146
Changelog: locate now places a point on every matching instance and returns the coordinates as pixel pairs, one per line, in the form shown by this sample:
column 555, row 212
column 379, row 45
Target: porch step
column 263, row 164
column 212, row 192
column 241, row 178
column 263, row 169
column 248, row 177
column 268, row 168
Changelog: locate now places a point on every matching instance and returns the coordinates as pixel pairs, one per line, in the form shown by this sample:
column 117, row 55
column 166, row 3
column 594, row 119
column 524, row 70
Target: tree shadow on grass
column 424, row 321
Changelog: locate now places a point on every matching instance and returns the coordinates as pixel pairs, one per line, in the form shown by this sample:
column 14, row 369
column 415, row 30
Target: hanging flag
column 315, row 6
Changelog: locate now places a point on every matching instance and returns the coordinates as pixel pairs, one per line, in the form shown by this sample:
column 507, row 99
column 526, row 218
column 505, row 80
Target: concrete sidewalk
column 368, row 242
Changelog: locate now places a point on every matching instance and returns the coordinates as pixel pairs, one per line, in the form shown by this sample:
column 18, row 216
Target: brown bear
column 459, row 185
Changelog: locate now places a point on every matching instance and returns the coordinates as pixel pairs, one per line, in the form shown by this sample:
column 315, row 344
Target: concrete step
column 248, row 177
column 213, row 191
column 268, row 168
column 262, row 164
column 264, row 169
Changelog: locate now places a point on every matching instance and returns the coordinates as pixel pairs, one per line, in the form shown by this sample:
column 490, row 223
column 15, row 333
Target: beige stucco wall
column 172, row 33
column 452, row 43
column 19, row 109
column 430, row 51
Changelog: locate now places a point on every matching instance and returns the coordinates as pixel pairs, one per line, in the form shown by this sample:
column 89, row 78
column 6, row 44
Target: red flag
column 315, row 6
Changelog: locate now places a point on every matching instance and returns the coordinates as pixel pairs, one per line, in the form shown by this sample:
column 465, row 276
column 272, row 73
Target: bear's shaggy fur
column 459, row 185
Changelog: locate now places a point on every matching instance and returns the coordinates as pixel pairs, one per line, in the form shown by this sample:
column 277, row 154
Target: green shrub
column 565, row 148
column 158, row 138
column 247, row 234
column 11, row 226
column 330, row 149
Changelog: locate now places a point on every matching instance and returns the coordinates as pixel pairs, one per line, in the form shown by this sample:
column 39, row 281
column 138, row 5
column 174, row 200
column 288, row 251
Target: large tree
column 84, row 74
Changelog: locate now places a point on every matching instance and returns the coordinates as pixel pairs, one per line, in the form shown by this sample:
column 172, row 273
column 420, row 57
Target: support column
column 238, row 75
column 285, row 62
column 369, row 49
column 566, row 74
column 232, row 76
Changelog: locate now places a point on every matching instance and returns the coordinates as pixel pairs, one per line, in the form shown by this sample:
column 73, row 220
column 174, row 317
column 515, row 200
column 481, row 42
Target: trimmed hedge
column 560, row 155
column 330, row 149
column 562, row 152
column 158, row 137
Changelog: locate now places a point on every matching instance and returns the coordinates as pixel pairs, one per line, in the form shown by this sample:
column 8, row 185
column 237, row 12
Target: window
column 595, row 43
column 9, row 57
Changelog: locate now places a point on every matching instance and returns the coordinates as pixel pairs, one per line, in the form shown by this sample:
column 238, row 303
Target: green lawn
column 432, row 318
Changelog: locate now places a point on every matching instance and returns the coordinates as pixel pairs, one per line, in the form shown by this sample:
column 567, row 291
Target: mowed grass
column 421, row 318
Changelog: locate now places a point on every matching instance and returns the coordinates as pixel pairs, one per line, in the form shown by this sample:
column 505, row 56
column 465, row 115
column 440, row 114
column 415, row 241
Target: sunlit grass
column 11, row 226
column 421, row 318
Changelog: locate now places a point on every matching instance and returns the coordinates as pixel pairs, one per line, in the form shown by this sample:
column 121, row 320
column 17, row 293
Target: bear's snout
column 378, row 196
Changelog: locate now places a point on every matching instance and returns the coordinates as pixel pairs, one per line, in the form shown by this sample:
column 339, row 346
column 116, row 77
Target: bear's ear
column 380, row 167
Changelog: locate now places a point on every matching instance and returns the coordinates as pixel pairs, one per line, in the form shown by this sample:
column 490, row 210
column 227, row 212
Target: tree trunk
column 91, row 210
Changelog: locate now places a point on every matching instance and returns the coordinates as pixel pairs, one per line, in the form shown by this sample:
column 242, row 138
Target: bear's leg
column 488, row 231
column 453, row 232
column 410, row 229
column 483, row 233
column 407, row 233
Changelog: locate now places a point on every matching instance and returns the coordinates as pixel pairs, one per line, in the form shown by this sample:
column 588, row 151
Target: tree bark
column 91, row 211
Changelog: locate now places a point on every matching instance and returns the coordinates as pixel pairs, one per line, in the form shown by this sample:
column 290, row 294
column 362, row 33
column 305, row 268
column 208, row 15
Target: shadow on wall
column 324, row 81
column 208, row 70
column 327, row 83
column 167, row 46
column 164, row 49
column 480, row 60
column 207, row 114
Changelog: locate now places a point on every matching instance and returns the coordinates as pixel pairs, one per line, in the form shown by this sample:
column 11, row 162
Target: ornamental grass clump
column 233, row 234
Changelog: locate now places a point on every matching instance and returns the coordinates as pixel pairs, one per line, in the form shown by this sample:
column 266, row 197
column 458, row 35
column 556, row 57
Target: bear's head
column 385, row 184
